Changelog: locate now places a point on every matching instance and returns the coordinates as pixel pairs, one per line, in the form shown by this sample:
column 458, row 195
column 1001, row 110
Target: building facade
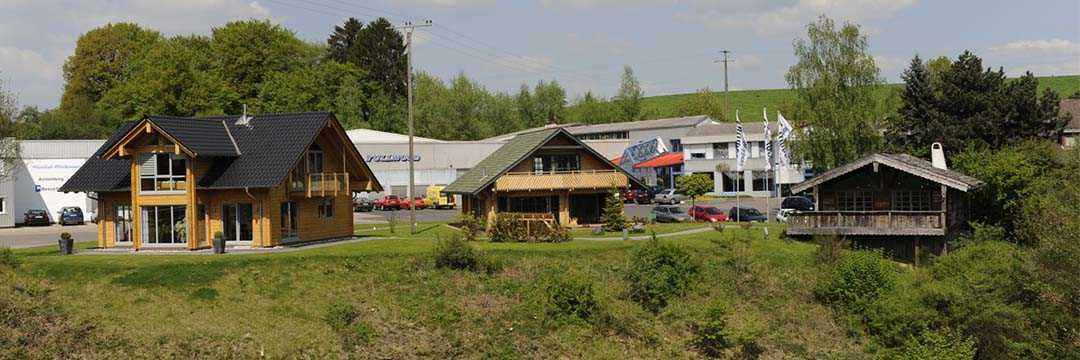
column 710, row 150
column 36, row 176
column 262, row 181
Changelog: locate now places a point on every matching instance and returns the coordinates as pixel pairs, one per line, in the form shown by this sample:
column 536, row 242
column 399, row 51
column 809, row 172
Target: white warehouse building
column 710, row 150
column 43, row 166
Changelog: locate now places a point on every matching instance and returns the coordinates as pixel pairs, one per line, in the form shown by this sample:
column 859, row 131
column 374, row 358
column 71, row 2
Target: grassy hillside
column 750, row 102
column 398, row 305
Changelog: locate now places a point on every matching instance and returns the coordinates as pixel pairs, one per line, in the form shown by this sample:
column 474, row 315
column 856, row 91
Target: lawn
column 278, row 305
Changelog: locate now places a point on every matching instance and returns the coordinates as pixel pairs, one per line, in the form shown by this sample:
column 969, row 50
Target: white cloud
column 785, row 19
column 36, row 37
column 1068, row 67
column 888, row 64
column 1034, row 48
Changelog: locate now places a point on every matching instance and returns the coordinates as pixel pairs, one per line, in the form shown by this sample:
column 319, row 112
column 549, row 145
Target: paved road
column 635, row 210
column 31, row 236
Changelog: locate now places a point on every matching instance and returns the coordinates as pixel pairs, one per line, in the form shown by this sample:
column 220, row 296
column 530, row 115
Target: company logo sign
column 391, row 158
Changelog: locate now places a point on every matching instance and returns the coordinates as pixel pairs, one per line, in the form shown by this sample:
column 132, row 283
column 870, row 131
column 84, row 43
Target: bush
column 572, row 296
column 511, row 227
column 711, row 335
column 471, row 226
column 830, row 248
column 345, row 320
column 858, row 280
column 659, row 272
column 938, row 345
column 456, row 253
column 8, row 259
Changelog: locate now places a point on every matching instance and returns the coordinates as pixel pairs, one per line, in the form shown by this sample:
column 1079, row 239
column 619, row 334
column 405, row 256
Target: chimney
column 552, row 120
column 937, row 156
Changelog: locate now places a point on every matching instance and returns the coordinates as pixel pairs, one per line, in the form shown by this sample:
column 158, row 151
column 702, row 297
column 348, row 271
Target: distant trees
column 835, row 80
column 629, row 96
column 703, row 102
column 9, row 150
column 960, row 103
column 694, row 185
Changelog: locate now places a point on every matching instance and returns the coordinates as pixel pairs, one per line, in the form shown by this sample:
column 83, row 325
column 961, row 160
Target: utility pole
column 726, row 59
column 409, row 28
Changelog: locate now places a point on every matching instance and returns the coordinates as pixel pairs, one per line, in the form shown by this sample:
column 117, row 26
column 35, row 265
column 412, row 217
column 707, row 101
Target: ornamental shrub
column 456, row 253
column 572, row 296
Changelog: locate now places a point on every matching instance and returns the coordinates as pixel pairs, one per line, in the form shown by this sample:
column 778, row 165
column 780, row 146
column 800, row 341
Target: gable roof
column 1071, row 108
column 267, row 148
column 100, row 175
column 903, row 162
column 205, row 138
column 513, row 152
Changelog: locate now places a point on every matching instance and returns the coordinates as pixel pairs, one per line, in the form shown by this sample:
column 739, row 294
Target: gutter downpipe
column 247, row 191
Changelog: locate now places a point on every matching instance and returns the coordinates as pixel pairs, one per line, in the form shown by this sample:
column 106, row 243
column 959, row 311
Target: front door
column 236, row 223
column 289, row 220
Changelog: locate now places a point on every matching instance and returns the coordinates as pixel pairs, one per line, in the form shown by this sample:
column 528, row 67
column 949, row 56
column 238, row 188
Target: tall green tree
column 247, row 52
column 591, row 109
column 549, row 101
column 343, row 41
column 835, row 80
column 703, row 102
column 381, row 53
column 960, row 103
column 694, row 185
column 328, row 86
column 629, row 96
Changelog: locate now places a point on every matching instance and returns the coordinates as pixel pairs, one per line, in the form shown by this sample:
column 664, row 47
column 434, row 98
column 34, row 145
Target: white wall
column 36, row 182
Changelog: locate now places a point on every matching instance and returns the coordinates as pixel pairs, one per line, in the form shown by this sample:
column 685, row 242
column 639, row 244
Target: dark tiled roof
column 269, row 146
column 902, row 162
column 1071, row 108
column 101, row 175
column 513, row 152
column 204, row 137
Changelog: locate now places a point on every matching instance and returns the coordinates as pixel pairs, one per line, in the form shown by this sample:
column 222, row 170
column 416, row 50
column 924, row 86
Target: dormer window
column 162, row 172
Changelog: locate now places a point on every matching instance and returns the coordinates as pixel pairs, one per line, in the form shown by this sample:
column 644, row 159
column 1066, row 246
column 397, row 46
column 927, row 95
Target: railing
column 883, row 222
column 321, row 184
column 552, row 180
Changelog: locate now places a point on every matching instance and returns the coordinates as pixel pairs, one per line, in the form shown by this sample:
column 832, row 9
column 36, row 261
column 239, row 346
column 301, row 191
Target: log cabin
column 895, row 201
column 546, row 174
column 257, row 181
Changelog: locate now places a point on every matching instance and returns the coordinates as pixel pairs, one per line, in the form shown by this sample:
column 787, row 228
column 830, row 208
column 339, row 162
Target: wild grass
column 386, row 298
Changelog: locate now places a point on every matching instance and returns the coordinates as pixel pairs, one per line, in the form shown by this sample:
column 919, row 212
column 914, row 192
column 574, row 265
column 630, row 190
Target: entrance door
column 289, row 220
column 586, row 208
column 122, row 224
column 236, row 222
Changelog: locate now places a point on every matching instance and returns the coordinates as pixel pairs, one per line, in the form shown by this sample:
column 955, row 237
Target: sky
column 672, row 45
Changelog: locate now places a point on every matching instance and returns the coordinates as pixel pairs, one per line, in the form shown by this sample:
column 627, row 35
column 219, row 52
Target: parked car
column 71, row 215
column 418, row 202
column 643, row 197
column 388, row 202
column 782, row 215
column 669, row 213
column 707, row 213
column 746, row 214
column 668, row 197
column 363, row 204
column 628, row 195
column 800, row 203
column 36, row 217
column 437, row 199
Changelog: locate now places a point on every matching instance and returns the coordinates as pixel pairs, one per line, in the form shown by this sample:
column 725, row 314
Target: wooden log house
column 261, row 181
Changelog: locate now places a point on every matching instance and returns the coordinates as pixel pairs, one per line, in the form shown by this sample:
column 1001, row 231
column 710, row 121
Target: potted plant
column 219, row 243
column 67, row 244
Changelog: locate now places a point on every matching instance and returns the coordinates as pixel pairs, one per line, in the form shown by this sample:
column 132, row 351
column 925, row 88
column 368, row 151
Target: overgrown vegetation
column 456, row 253
column 858, row 280
column 658, row 273
column 511, row 227
column 471, row 226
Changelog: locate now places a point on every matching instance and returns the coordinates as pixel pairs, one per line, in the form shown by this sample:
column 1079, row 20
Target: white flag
column 768, row 140
column 783, row 133
column 740, row 144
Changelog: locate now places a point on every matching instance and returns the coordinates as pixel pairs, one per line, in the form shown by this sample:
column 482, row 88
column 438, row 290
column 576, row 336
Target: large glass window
column 122, row 223
column 315, row 159
column 236, row 222
column 289, row 219
column 557, row 163
column 326, row 208
column 163, row 172
column 733, row 182
column 166, row 224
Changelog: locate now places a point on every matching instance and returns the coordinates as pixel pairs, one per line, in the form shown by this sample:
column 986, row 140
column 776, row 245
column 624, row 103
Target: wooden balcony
column 914, row 223
column 561, row 180
column 321, row 184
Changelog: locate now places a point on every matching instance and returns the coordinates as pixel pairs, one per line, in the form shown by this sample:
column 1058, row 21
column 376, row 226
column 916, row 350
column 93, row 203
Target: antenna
column 244, row 119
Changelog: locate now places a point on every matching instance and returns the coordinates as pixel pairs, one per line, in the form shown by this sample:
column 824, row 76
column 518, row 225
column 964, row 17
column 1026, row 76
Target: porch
column 874, row 222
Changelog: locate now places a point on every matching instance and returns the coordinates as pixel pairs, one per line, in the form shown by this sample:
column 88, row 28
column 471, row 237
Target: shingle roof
column 206, row 137
column 269, row 146
column 902, row 162
column 513, row 152
column 1071, row 108
column 639, row 125
column 102, row 175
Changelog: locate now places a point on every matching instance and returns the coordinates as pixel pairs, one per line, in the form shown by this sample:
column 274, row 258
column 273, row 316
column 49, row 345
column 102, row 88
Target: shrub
column 711, row 336
column 858, row 280
column 471, row 226
column 658, row 272
column 830, row 248
column 572, row 296
column 65, row 235
column 938, row 345
column 456, row 253
column 345, row 320
column 508, row 227
column 554, row 234
column 8, row 259
column 613, row 217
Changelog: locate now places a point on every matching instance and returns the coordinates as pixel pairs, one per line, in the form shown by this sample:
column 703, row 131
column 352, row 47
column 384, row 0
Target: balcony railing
column 561, row 180
column 321, row 184
column 886, row 222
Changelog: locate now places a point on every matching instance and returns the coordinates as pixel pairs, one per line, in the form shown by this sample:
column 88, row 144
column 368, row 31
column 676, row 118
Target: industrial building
column 43, row 166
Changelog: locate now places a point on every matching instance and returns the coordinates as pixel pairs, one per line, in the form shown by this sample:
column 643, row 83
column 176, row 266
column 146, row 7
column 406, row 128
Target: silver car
column 668, row 197
column 669, row 213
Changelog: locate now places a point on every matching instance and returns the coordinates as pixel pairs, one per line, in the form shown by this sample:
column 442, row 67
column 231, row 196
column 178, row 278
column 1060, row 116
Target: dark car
column 363, row 204
column 71, row 215
column 707, row 213
column 36, row 217
column 643, row 196
column 800, row 203
column 628, row 195
column 669, row 213
column 746, row 214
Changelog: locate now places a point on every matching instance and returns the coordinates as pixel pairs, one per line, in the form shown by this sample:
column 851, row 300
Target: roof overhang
column 887, row 161
column 144, row 126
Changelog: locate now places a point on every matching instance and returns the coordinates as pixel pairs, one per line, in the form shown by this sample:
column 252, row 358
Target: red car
column 388, row 202
column 418, row 202
column 706, row 213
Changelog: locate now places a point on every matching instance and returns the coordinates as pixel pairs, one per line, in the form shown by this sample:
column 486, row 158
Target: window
column 122, row 223
column 762, row 180
column 912, row 200
column 315, row 159
column 530, row 204
column 720, row 151
column 162, row 172
column 165, row 224
column 697, row 155
column 326, row 208
column 289, row 219
column 855, row 200
column 557, row 162
column 676, row 145
column 733, row 182
column 236, row 222
column 3, row 206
